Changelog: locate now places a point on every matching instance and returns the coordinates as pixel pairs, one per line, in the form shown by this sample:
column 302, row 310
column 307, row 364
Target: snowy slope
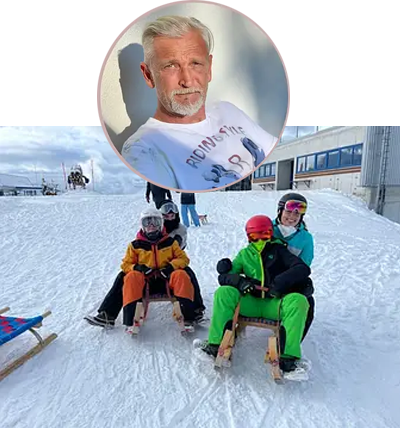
column 64, row 252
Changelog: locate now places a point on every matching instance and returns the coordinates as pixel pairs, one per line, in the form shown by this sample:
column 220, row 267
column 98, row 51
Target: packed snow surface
column 62, row 253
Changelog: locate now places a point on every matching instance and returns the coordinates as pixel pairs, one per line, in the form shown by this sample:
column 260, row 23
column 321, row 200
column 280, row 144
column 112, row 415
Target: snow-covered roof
column 15, row 181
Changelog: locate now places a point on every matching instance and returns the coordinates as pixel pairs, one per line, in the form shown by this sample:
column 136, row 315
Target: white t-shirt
column 217, row 151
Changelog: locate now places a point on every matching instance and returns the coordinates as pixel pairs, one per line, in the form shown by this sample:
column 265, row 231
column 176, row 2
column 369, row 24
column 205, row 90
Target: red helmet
column 259, row 226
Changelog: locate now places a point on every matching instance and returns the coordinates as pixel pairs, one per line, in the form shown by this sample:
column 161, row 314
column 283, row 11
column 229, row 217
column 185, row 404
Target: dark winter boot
column 101, row 320
column 287, row 364
column 292, row 370
column 209, row 349
column 199, row 317
column 187, row 309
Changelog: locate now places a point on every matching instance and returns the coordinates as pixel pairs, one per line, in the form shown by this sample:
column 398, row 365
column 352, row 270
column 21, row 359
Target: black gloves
column 244, row 284
column 272, row 292
column 224, row 266
column 143, row 269
column 166, row 272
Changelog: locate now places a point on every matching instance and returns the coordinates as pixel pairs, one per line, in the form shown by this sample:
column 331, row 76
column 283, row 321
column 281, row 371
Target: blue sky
column 37, row 152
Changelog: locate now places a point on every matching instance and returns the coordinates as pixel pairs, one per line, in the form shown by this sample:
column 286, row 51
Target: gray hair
column 173, row 26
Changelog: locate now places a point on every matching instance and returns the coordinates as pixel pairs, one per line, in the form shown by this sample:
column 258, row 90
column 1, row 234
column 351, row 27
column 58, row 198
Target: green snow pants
column 292, row 313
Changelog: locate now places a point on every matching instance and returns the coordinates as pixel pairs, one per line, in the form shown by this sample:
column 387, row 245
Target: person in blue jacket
column 289, row 226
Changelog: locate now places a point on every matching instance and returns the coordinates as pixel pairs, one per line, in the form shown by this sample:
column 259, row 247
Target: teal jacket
column 300, row 243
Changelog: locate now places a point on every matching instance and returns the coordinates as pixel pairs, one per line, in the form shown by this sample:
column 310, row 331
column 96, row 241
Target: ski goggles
column 256, row 236
column 168, row 208
column 299, row 206
column 152, row 221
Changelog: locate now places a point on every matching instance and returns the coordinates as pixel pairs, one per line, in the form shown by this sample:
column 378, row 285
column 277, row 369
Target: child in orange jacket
column 154, row 251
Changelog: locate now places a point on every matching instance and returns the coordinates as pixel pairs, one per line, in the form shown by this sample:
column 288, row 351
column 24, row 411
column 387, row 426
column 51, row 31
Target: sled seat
column 11, row 327
column 161, row 298
column 258, row 322
column 239, row 324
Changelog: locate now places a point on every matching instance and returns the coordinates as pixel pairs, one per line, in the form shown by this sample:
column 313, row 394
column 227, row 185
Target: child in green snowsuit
column 267, row 262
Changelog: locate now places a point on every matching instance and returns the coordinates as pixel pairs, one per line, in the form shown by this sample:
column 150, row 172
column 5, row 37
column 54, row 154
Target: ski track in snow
column 63, row 253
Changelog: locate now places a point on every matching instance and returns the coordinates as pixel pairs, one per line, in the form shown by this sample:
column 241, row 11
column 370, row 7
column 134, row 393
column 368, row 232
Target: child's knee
column 226, row 292
column 298, row 300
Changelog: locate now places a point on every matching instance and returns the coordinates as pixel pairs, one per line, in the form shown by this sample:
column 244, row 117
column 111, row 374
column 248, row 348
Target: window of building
column 273, row 169
column 357, row 154
column 346, row 156
column 330, row 159
column 333, row 159
column 310, row 164
column 321, row 160
column 301, row 164
column 262, row 171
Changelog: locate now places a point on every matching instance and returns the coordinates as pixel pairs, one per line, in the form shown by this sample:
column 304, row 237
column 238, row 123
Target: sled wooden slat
column 162, row 299
column 21, row 360
column 142, row 309
column 43, row 342
column 258, row 322
column 239, row 325
column 4, row 310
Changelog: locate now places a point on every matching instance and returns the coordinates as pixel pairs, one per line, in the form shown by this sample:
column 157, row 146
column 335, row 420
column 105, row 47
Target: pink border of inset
column 115, row 18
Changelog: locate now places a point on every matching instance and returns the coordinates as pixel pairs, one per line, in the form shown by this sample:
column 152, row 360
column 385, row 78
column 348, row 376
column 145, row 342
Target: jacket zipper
column 155, row 255
column 262, row 276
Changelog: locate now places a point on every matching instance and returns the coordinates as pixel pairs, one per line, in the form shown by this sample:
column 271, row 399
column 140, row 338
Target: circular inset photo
column 193, row 96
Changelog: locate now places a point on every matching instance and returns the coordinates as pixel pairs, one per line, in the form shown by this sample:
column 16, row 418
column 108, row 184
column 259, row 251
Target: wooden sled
column 239, row 324
column 11, row 327
column 203, row 218
column 142, row 308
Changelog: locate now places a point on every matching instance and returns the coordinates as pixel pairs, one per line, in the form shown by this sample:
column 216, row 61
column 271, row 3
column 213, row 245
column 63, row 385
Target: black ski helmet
column 290, row 197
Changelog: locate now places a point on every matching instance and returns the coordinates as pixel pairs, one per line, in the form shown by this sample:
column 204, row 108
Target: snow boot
column 292, row 369
column 101, row 320
column 204, row 350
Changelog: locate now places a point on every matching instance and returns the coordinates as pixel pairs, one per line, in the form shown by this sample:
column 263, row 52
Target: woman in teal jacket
column 289, row 226
column 267, row 262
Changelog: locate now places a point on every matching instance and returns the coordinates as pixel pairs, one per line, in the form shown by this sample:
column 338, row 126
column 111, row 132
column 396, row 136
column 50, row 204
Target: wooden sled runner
column 239, row 324
column 142, row 308
column 11, row 327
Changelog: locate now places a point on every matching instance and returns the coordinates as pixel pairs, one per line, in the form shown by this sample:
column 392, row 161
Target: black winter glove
column 143, row 268
column 166, row 272
column 243, row 284
column 308, row 289
column 273, row 292
column 224, row 266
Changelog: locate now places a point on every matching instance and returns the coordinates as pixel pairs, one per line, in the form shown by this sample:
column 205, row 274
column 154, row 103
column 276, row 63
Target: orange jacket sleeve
column 130, row 259
column 180, row 259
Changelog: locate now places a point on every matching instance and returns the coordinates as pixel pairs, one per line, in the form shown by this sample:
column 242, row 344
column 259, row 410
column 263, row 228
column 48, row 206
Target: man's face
column 181, row 71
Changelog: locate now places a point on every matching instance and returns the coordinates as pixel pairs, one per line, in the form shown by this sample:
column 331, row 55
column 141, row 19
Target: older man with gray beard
column 185, row 145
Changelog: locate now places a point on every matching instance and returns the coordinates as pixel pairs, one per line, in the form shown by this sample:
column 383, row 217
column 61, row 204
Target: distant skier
column 283, row 273
column 188, row 205
column 159, row 194
column 290, row 227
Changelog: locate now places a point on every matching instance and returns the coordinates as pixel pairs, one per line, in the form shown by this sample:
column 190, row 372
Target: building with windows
column 245, row 184
column 14, row 185
column 357, row 160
